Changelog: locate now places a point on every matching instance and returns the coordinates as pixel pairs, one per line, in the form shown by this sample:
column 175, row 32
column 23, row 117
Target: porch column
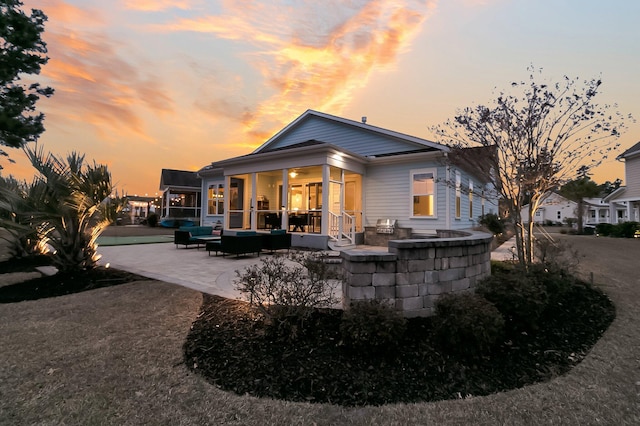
column 630, row 215
column 253, row 215
column 226, row 202
column 326, row 178
column 284, row 208
column 613, row 216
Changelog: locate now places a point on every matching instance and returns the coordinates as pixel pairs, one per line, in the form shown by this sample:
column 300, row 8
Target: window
column 423, row 193
column 458, row 200
column 470, row 199
column 215, row 197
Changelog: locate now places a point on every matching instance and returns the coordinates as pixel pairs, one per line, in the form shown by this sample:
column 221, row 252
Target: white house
column 555, row 209
column 627, row 198
column 325, row 178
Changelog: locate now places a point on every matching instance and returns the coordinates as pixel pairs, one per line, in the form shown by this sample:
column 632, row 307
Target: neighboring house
column 555, row 209
column 181, row 196
column 138, row 209
column 627, row 197
column 326, row 178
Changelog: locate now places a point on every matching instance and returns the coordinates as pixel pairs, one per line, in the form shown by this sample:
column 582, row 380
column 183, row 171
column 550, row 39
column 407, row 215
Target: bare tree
column 541, row 133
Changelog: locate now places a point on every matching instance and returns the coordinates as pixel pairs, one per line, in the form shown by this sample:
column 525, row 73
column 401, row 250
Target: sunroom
column 312, row 189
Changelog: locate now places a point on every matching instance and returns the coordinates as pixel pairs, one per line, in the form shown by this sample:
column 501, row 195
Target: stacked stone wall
column 414, row 273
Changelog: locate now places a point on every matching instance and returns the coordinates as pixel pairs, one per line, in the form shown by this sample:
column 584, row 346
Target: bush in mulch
column 59, row 284
column 229, row 345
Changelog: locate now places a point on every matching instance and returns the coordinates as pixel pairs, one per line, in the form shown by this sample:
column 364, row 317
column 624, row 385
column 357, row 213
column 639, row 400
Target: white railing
column 342, row 227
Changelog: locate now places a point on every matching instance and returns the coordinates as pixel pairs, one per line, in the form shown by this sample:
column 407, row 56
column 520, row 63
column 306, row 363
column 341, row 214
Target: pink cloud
column 93, row 79
column 310, row 54
column 157, row 5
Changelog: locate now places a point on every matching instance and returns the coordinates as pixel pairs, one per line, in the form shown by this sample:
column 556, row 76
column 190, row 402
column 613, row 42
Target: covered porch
column 321, row 202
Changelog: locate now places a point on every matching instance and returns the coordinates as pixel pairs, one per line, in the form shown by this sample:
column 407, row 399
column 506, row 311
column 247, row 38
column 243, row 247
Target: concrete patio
column 195, row 269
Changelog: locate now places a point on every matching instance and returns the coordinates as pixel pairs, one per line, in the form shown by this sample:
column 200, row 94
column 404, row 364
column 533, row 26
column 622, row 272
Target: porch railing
column 342, row 227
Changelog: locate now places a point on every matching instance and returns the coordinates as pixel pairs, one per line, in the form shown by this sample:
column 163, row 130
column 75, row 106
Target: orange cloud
column 157, row 5
column 93, row 79
column 310, row 54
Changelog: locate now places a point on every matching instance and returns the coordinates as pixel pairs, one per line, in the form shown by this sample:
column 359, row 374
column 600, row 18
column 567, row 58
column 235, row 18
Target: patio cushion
column 245, row 233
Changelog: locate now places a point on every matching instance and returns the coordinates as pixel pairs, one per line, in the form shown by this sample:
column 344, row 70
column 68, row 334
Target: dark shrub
column 373, row 325
column 604, row 229
column 518, row 295
column 624, row 230
column 493, row 223
column 467, row 325
column 152, row 220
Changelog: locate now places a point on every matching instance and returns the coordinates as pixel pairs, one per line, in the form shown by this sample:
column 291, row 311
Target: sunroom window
column 215, row 197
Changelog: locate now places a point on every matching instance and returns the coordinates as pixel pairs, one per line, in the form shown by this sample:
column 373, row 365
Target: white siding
column 632, row 177
column 350, row 138
column 388, row 196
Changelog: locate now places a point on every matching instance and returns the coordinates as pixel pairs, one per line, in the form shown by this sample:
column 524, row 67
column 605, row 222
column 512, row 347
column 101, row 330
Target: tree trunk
column 580, row 214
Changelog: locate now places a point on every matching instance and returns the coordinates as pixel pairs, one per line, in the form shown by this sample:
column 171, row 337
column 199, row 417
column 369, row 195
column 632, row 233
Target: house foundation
column 414, row 273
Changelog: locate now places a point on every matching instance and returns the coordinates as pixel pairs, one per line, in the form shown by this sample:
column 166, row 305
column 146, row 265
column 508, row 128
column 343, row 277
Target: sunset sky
column 143, row 85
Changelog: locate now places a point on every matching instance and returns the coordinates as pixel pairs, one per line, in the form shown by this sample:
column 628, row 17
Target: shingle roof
column 182, row 178
column 635, row 149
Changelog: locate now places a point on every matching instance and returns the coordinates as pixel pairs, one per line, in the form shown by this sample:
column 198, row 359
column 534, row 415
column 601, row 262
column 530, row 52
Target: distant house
column 137, row 209
column 627, row 198
column 556, row 209
column 181, row 195
column 553, row 209
column 327, row 178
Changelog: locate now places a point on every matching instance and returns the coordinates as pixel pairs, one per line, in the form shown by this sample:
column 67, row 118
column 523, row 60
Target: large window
column 423, row 193
column 215, row 198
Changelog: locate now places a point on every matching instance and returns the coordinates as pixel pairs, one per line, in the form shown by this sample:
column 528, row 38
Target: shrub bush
column 286, row 288
column 372, row 325
column 152, row 220
column 624, row 230
column 557, row 255
column 604, row 229
column 467, row 325
column 519, row 296
column 493, row 223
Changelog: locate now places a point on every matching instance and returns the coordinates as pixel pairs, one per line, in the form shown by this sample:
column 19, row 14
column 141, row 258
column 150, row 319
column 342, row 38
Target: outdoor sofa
column 248, row 242
column 190, row 235
column 275, row 240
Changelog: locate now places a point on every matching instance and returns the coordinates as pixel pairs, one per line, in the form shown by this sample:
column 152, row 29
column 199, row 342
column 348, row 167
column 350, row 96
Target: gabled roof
column 618, row 193
column 634, row 150
column 179, row 178
column 418, row 142
column 298, row 149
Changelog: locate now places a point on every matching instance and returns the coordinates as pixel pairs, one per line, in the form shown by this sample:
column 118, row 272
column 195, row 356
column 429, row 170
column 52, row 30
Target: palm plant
column 69, row 206
column 15, row 198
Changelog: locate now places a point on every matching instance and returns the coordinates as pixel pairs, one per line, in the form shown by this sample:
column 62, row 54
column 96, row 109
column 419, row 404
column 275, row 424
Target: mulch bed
column 59, row 284
column 229, row 346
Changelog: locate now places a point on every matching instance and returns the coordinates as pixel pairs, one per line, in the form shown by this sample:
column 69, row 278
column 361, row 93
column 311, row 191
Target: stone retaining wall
column 413, row 273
